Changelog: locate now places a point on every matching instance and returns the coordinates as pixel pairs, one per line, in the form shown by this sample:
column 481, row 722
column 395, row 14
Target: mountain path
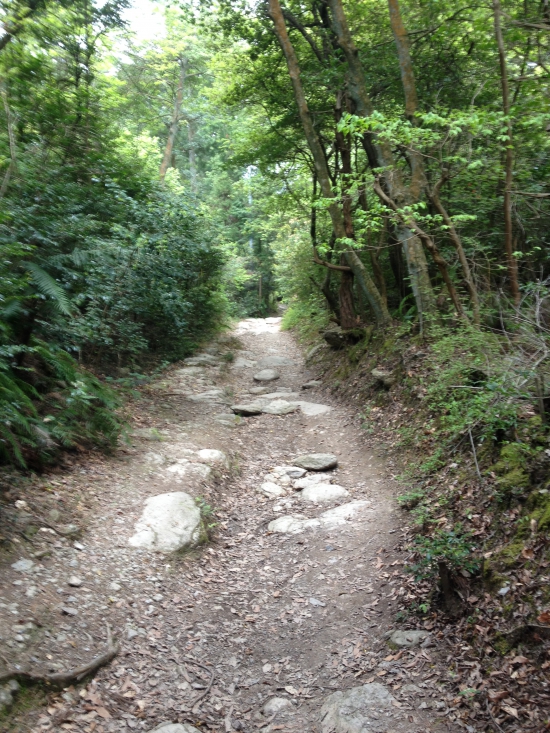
column 255, row 629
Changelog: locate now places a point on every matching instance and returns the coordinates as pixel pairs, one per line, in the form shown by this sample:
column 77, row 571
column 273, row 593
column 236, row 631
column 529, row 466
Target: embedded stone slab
column 279, row 407
column 183, row 467
column 242, row 363
column 169, row 522
column 213, row 457
column 316, row 461
column 275, row 704
column 272, row 490
column 268, row 362
column 247, row 409
column 408, row 638
column 175, row 728
column 266, row 375
column 290, row 471
column 259, row 390
column 280, row 395
column 360, row 709
column 210, row 395
column 341, row 514
column 202, row 360
column 294, row 523
column 312, row 384
column 190, row 371
column 316, row 478
column 320, row 493
column 312, row 409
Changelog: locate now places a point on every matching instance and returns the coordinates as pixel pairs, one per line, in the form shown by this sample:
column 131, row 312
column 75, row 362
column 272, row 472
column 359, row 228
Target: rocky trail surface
column 281, row 617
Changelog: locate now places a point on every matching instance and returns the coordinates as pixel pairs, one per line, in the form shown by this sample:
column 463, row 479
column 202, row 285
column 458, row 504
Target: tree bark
column 432, row 248
column 457, row 242
column 380, row 156
column 418, row 178
column 345, row 299
column 380, row 311
column 192, row 154
column 174, row 123
column 511, row 261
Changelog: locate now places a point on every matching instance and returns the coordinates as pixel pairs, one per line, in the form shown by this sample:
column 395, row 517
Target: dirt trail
column 209, row 637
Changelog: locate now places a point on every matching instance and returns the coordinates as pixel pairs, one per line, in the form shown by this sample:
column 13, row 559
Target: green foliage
column 454, row 547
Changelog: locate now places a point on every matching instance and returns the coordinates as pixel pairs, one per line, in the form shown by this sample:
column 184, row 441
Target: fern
column 50, row 288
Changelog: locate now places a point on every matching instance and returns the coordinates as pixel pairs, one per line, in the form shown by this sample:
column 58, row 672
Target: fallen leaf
column 544, row 617
column 104, row 713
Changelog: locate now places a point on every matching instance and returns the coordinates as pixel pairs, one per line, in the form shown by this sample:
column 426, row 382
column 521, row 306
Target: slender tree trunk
column 418, row 179
column 511, row 261
column 380, row 156
column 457, row 242
column 376, row 267
column 174, row 123
column 380, row 311
column 192, row 154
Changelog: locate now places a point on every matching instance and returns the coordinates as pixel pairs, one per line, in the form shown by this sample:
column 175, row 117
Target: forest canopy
column 367, row 163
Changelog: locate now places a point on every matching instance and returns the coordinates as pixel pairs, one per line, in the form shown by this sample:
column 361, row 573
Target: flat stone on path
column 259, row 390
column 175, row 728
column 202, row 359
column 272, row 490
column 319, row 493
column 169, row 522
column 316, row 461
column 241, row 363
column 212, row 456
column 247, row 409
column 279, row 407
column 275, row 704
column 293, row 524
column 266, row 375
column 312, row 384
column 312, row 409
column 316, row 478
column 268, row 362
column 408, row 638
column 358, row 710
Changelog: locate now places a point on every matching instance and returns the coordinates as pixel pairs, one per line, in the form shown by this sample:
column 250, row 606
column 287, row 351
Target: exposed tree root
column 62, row 679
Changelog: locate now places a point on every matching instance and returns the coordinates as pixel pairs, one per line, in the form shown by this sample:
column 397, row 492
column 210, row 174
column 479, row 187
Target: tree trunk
column 192, row 155
column 345, row 298
column 380, row 311
column 457, row 242
column 174, row 123
column 418, row 178
column 511, row 261
column 380, row 156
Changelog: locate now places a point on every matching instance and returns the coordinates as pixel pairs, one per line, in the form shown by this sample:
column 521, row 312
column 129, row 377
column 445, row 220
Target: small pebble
column 74, row 582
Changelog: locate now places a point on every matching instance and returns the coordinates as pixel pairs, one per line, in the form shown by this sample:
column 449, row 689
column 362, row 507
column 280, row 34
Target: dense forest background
column 375, row 167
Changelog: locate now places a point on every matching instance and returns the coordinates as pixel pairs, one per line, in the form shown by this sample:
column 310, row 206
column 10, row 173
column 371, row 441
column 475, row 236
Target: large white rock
column 358, row 710
column 169, row 522
column 241, row 363
column 319, row 493
column 247, row 409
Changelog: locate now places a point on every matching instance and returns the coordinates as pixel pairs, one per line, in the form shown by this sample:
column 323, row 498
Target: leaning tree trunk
column 174, row 123
column 364, row 279
column 380, row 156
